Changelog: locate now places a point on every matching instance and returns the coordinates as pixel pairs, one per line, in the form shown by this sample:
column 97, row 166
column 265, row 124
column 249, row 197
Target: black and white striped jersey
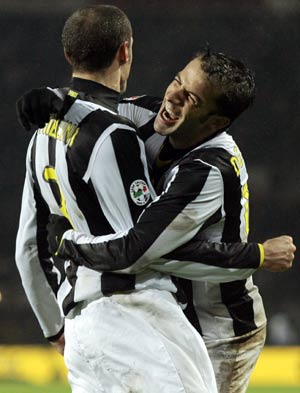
column 225, row 310
column 204, row 197
column 91, row 168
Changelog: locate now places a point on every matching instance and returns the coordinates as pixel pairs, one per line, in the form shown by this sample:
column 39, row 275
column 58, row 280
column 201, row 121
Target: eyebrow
column 188, row 91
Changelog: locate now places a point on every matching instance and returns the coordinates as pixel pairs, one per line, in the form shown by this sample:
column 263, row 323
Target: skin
column 116, row 75
column 188, row 113
column 59, row 344
column 190, row 101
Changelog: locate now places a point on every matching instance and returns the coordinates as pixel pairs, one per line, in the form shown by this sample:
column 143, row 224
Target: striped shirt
column 80, row 167
column 91, row 167
column 218, row 311
column 204, row 199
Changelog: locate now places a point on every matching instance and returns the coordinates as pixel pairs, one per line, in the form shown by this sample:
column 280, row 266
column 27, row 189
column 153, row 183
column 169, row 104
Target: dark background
column 264, row 34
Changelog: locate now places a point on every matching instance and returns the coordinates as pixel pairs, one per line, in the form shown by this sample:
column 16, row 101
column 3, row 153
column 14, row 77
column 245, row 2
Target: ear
column 67, row 57
column 123, row 53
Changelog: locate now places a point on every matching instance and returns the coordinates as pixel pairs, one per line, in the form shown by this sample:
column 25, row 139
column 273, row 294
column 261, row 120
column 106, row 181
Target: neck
column 189, row 140
column 110, row 77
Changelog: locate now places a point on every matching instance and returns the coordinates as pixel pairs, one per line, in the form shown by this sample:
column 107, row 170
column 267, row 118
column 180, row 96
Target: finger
column 53, row 217
column 57, row 105
column 21, row 114
column 24, row 122
column 288, row 266
column 292, row 257
column 38, row 118
column 285, row 266
column 19, row 105
column 44, row 116
column 289, row 257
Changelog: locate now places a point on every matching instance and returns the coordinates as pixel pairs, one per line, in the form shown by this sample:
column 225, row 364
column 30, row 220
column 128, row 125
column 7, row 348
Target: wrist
column 56, row 337
column 262, row 255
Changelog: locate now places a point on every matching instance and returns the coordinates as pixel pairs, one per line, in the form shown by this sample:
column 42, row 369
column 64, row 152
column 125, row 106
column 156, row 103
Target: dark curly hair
column 233, row 81
column 92, row 35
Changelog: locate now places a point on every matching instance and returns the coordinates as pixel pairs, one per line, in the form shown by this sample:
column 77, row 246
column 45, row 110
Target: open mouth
column 168, row 115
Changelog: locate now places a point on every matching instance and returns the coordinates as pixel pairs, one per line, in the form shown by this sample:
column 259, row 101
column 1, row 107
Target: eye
column 177, row 80
column 192, row 99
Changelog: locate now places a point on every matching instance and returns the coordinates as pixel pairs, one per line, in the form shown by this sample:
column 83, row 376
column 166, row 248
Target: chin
column 161, row 132
column 163, row 129
column 159, row 128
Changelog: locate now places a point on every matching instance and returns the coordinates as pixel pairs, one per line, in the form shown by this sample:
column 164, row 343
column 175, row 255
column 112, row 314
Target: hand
column 279, row 254
column 36, row 106
column 59, row 344
column 56, row 227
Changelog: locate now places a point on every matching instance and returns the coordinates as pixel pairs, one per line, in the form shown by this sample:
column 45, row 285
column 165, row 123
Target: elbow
column 24, row 254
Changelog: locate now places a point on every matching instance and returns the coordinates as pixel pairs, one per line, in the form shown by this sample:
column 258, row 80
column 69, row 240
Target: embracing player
column 190, row 167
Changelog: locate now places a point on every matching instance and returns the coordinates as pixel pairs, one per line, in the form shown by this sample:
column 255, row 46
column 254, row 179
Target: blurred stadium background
column 266, row 35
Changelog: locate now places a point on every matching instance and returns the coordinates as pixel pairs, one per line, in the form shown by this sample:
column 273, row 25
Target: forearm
column 39, row 294
column 196, row 259
column 169, row 222
column 40, row 278
column 214, row 262
column 225, row 255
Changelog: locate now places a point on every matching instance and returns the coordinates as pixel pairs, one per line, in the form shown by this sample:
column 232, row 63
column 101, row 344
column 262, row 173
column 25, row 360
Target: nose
column 175, row 95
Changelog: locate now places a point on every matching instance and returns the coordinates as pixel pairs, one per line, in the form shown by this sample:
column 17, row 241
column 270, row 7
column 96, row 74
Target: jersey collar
column 96, row 92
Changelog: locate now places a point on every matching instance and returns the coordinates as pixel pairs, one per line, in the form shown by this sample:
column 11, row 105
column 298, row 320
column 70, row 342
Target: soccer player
column 89, row 165
column 197, row 162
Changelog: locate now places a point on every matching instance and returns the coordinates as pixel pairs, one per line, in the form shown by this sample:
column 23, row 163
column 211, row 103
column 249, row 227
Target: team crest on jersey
column 139, row 192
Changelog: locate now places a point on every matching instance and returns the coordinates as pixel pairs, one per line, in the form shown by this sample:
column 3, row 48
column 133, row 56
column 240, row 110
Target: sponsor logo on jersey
column 139, row 192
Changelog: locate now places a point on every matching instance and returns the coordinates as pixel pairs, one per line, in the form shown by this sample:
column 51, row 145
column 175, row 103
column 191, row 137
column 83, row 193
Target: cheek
column 189, row 112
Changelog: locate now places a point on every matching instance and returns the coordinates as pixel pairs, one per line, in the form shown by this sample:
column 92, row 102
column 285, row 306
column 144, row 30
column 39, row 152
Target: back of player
column 84, row 167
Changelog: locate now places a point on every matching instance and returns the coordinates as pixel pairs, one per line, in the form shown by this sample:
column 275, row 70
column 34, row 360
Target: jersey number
column 50, row 177
column 237, row 162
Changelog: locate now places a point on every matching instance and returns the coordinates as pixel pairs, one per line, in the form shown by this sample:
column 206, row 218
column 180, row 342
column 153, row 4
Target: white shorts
column 136, row 343
column 234, row 360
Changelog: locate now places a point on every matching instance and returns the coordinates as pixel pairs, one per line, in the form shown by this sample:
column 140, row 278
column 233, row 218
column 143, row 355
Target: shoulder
column 212, row 156
column 98, row 129
column 93, row 117
column 221, row 152
column 101, row 124
column 144, row 101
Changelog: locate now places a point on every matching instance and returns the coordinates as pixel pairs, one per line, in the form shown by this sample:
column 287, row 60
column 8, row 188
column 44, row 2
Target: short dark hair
column 92, row 35
column 233, row 81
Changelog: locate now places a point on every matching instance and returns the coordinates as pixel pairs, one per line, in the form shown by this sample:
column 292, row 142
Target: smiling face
column 188, row 110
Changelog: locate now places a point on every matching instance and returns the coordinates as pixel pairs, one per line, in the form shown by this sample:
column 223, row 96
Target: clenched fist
column 279, row 254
